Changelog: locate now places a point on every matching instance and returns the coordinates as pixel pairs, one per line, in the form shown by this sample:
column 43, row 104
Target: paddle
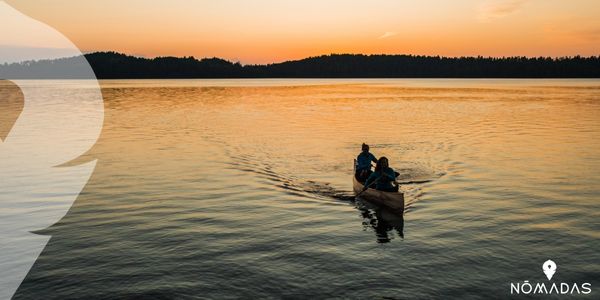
column 397, row 184
column 396, row 181
column 376, row 180
column 367, row 187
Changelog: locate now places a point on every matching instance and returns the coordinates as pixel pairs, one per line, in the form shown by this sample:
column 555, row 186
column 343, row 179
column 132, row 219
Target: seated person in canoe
column 384, row 177
column 363, row 163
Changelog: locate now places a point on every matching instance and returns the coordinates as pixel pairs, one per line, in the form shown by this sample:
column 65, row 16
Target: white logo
column 60, row 120
column 549, row 268
column 555, row 288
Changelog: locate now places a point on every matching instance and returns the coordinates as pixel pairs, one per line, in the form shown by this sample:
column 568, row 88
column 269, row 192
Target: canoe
column 393, row 200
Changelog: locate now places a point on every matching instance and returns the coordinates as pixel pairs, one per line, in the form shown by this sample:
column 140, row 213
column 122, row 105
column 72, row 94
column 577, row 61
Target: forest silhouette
column 113, row 65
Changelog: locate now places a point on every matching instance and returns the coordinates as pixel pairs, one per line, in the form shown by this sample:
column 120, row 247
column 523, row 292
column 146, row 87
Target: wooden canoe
column 393, row 200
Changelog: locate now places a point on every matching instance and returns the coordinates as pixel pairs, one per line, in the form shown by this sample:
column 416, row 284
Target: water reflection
column 383, row 221
column 242, row 192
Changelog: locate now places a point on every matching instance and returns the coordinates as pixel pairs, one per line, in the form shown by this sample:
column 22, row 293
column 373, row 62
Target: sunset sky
column 260, row 31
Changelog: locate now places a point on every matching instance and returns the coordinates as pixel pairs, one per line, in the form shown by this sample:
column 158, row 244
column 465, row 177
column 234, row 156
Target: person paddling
column 363, row 163
column 383, row 177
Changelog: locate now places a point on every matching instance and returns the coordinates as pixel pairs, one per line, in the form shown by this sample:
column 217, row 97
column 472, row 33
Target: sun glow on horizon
column 265, row 31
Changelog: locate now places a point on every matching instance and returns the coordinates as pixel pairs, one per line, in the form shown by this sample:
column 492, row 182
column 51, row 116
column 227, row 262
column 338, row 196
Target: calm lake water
column 242, row 189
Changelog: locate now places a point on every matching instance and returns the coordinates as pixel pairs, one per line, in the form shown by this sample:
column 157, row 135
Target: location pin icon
column 549, row 268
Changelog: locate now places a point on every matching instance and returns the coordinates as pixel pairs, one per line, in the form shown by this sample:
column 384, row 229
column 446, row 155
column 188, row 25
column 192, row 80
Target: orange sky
column 259, row 31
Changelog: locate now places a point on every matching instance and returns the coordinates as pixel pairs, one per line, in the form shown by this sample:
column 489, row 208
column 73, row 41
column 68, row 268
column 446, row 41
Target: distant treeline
column 111, row 65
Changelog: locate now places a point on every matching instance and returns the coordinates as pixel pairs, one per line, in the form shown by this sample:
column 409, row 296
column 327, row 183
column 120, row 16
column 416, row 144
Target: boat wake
column 383, row 222
column 292, row 184
column 411, row 180
column 298, row 179
column 413, row 176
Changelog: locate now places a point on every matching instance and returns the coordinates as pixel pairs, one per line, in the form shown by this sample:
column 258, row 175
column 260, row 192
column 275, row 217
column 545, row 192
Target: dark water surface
column 242, row 189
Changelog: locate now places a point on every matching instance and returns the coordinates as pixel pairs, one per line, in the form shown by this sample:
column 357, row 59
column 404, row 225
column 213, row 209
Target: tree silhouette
column 112, row 65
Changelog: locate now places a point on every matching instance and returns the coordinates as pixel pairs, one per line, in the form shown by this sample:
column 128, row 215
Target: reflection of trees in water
column 382, row 220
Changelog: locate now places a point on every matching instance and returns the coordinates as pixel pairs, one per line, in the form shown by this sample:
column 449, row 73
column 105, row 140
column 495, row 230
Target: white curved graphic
column 60, row 121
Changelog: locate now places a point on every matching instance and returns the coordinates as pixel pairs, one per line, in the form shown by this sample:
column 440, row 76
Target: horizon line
column 141, row 56
column 332, row 54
